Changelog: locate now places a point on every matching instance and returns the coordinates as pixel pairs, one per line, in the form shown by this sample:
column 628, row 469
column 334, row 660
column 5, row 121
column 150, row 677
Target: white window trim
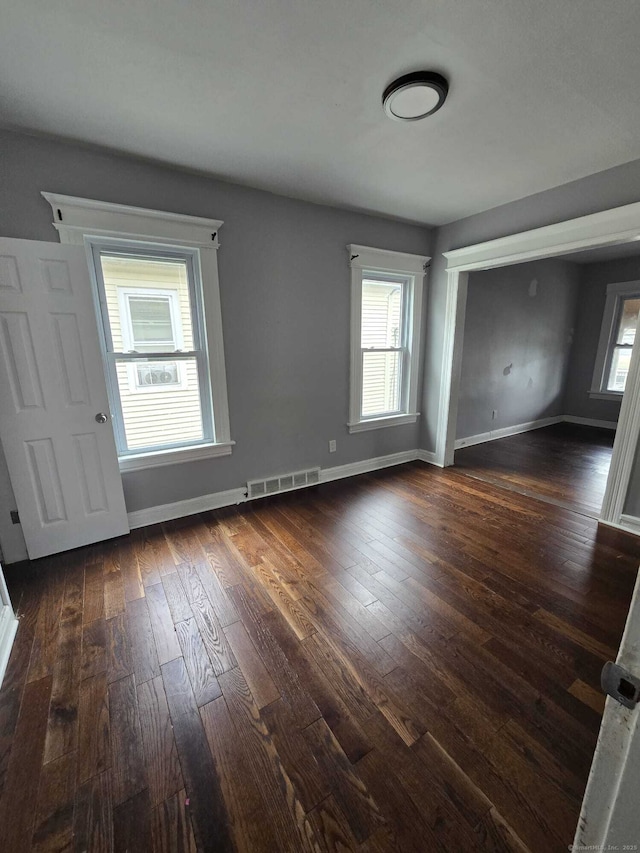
column 158, row 458
column 77, row 220
column 128, row 341
column 615, row 292
column 413, row 267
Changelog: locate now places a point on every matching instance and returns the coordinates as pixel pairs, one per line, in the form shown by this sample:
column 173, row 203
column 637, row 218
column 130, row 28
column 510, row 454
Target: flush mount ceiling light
column 415, row 96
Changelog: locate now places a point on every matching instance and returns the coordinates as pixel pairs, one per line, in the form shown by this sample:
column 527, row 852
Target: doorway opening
column 545, row 359
column 607, row 229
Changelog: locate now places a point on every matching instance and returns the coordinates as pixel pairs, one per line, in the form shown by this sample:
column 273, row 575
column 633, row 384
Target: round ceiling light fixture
column 415, row 96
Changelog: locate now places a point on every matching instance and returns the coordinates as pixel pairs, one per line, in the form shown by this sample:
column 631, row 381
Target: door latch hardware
column 15, row 518
column 618, row 682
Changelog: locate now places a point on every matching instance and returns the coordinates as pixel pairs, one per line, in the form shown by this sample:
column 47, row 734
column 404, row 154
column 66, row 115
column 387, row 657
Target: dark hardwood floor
column 405, row 661
column 566, row 464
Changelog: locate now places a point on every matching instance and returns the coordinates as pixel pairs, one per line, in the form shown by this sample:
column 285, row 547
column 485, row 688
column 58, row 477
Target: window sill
column 379, row 423
column 140, row 461
column 605, row 395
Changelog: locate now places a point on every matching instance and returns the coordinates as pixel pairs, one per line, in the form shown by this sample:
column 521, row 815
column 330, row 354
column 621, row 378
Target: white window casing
column 616, row 295
column 102, row 225
column 372, row 265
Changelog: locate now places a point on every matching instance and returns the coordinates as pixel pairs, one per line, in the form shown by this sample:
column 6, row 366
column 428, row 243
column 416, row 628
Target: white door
column 610, row 816
column 54, row 412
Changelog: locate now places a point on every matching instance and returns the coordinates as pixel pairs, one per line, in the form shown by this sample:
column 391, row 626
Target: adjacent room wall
column 604, row 190
column 285, row 287
column 594, row 279
column 517, row 341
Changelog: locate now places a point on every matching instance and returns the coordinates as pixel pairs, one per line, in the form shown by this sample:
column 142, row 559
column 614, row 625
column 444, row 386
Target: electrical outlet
column 332, row 446
column 494, row 414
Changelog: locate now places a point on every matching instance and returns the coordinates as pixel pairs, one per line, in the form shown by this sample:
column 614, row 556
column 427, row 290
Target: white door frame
column 608, row 228
column 8, row 626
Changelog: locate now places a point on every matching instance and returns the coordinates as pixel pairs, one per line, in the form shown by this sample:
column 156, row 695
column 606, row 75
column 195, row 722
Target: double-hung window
column 617, row 336
column 156, row 356
column 386, row 308
column 155, row 276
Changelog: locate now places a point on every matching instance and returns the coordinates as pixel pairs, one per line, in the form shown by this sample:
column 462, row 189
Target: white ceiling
column 285, row 94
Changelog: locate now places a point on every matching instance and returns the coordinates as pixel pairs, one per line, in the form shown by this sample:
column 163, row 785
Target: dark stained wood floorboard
column 403, row 661
column 565, row 463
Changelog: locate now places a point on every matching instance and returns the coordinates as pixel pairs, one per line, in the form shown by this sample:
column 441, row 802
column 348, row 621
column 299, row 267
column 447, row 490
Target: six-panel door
column 62, row 462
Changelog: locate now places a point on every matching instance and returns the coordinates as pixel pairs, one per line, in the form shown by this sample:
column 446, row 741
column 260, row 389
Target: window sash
column 133, row 249
column 402, row 363
column 402, row 348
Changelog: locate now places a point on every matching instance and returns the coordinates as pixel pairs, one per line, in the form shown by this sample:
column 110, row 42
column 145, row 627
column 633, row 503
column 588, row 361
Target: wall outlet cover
column 332, row 446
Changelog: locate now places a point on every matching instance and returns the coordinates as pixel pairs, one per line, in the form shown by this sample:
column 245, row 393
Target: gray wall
column 611, row 188
column 517, row 341
column 285, row 305
column 594, row 279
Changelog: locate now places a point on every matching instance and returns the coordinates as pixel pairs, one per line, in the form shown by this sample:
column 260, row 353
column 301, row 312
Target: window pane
column 148, row 303
column 628, row 321
column 381, row 313
column 157, row 415
column 619, row 369
column 151, row 320
column 381, row 382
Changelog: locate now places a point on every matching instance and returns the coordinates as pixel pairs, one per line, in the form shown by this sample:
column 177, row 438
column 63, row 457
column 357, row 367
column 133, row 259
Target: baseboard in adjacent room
column 593, row 422
column 481, row 437
column 506, row 431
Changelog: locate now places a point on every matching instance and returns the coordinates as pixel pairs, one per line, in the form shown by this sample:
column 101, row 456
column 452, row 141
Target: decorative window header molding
column 75, row 217
column 99, row 225
column 368, row 257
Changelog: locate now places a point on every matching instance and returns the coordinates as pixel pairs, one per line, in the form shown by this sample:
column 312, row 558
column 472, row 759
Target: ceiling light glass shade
column 415, row 96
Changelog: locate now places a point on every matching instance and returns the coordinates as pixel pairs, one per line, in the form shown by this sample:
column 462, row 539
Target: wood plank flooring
column 404, row 661
column 565, row 464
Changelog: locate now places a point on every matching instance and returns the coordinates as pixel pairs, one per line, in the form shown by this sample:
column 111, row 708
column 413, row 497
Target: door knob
column 101, row 418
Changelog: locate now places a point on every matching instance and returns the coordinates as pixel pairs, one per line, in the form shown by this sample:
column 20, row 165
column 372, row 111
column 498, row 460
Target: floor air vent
column 275, row 485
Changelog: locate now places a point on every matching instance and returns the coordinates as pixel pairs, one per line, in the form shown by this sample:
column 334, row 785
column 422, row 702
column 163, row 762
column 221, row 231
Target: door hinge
column 619, row 683
column 15, row 516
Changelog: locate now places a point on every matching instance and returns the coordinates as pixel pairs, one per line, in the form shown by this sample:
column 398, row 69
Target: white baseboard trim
column 481, row 437
column 8, row 628
column 506, row 431
column 630, row 523
column 627, row 523
column 352, row 469
column 179, row 509
column 231, row 497
column 429, row 457
column 572, row 419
